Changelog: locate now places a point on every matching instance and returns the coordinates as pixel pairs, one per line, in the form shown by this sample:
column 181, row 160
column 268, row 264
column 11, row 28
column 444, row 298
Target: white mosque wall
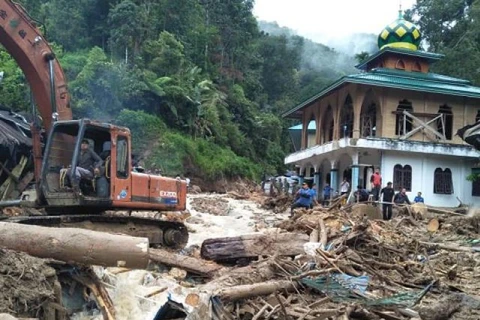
column 423, row 168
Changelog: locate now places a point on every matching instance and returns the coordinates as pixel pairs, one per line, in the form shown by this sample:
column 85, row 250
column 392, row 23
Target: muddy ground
column 388, row 251
column 26, row 284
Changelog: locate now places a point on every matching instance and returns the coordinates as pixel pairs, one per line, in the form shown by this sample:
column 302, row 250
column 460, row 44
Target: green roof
column 390, row 78
column 431, row 57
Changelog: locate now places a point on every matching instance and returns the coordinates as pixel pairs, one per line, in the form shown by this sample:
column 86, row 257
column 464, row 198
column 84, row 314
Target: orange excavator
column 118, row 187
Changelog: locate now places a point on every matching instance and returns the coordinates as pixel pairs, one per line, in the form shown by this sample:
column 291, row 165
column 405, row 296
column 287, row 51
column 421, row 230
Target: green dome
column 400, row 34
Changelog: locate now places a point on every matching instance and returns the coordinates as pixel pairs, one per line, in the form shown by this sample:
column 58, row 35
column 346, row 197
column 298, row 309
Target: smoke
column 349, row 44
column 332, row 60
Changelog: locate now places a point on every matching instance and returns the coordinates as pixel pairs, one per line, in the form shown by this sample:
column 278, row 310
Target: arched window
column 442, row 181
column 445, row 126
column 346, row 119
column 417, row 67
column 402, row 177
column 400, row 65
column 403, row 123
column 330, row 130
column 311, row 132
column 368, row 120
column 327, row 127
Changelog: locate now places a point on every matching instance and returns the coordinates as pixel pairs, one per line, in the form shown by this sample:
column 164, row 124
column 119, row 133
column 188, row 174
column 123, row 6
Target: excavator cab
column 61, row 157
column 116, row 186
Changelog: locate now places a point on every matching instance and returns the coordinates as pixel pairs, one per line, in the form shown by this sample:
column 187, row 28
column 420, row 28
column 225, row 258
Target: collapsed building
column 15, row 151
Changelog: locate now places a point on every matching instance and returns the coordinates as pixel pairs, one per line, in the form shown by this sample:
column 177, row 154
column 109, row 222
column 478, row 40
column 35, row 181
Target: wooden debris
column 449, row 247
column 249, row 246
column 238, row 196
column 337, row 202
column 190, row 264
column 253, row 290
column 442, row 211
column 104, row 302
column 433, row 225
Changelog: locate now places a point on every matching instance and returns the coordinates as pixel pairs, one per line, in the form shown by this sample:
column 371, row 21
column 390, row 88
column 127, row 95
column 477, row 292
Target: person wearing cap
column 387, row 199
column 304, row 199
column 88, row 164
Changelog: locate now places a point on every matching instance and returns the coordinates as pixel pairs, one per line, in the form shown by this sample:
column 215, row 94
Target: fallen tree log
column 190, row 264
column 249, row 246
column 77, row 246
column 441, row 211
column 253, row 290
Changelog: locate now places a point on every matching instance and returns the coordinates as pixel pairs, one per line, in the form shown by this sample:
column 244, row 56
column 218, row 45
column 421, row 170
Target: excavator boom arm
column 22, row 39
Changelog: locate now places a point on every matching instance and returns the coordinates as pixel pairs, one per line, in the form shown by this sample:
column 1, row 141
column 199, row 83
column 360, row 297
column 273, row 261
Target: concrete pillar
column 355, row 171
column 355, row 176
column 301, row 175
column 334, row 179
column 316, row 180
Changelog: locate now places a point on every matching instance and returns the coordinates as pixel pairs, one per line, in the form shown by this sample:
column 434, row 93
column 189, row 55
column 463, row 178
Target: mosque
column 394, row 115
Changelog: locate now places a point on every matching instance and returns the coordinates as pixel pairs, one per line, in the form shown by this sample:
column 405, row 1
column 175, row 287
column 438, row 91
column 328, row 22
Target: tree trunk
column 190, row 264
column 253, row 290
column 78, row 246
column 249, row 246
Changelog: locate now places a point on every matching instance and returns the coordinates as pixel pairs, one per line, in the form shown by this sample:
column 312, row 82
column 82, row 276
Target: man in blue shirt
column 304, row 199
column 313, row 192
column 419, row 198
column 326, row 194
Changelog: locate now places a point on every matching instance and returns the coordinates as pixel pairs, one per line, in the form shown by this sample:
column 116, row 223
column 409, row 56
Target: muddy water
column 239, row 217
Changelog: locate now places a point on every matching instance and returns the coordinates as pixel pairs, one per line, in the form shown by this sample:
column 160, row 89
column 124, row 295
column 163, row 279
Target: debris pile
column 359, row 268
column 337, row 262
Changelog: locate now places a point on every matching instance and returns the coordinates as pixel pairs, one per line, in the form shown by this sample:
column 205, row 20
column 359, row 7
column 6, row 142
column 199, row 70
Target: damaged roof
column 14, row 130
column 389, row 78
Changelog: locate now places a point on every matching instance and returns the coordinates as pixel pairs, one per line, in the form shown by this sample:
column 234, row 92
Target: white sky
column 320, row 19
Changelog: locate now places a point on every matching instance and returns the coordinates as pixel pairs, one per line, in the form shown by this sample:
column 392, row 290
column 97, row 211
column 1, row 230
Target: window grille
column 402, row 177
column 442, row 181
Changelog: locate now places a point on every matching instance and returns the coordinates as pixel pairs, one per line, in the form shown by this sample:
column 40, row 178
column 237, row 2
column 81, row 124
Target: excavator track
column 173, row 235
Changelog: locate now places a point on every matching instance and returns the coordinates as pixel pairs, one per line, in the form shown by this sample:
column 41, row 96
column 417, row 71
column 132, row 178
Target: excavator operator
column 88, row 165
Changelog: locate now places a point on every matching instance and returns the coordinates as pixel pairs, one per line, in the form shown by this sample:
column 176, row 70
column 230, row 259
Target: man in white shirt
column 344, row 186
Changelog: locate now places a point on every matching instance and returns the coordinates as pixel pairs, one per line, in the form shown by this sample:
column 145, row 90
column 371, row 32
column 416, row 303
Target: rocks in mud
column 214, row 206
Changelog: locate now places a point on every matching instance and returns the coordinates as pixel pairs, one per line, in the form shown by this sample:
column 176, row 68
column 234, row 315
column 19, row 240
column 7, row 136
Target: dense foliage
column 451, row 28
column 200, row 86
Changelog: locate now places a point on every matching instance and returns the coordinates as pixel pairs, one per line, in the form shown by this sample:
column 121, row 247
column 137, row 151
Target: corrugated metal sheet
column 14, row 130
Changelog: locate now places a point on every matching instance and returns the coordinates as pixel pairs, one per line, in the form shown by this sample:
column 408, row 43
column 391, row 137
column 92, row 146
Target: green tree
column 14, row 91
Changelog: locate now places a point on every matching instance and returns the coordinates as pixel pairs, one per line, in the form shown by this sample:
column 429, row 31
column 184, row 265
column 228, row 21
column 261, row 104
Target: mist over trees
column 198, row 83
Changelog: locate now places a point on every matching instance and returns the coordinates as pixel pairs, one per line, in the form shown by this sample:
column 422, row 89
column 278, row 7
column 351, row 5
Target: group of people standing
column 388, row 196
column 306, row 196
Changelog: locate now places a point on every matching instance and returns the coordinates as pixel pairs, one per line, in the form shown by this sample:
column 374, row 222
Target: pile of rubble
column 340, row 262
